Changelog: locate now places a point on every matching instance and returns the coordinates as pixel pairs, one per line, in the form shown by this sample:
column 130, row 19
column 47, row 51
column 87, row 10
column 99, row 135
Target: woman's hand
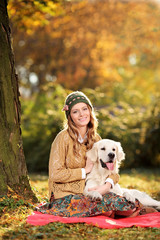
column 102, row 189
column 89, row 166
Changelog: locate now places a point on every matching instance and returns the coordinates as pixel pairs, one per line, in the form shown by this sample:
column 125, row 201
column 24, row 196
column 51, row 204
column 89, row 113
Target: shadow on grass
column 53, row 231
column 78, row 231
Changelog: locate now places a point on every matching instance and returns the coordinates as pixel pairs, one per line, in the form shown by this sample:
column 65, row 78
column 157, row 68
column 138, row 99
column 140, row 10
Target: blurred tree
column 88, row 43
column 110, row 46
column 42, row 120
column 27, row 17
column 13, row 171
column 150, row 147
column 121, row 117
column 124, row 118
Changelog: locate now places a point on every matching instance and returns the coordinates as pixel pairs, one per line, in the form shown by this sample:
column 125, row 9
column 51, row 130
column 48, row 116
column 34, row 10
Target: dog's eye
column 113, row 149
column 103, row 149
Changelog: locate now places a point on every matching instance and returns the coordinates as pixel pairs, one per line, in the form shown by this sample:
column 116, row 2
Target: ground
column 14, row 211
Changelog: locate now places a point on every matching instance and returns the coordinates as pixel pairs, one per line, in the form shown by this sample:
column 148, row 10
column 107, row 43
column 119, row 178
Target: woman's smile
column 80, row 114
column 82, row 119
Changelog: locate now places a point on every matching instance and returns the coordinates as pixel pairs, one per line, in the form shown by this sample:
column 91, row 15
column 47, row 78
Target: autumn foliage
column 108, row 49
column 86, row 43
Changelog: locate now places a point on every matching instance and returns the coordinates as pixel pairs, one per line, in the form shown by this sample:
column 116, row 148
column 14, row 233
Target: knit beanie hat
column 74, row 98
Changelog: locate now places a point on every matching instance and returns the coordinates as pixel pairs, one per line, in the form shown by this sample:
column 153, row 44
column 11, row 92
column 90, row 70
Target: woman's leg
column 82, row 206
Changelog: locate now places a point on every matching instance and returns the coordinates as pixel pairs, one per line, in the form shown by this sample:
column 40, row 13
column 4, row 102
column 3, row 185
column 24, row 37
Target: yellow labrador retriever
column 107, row 155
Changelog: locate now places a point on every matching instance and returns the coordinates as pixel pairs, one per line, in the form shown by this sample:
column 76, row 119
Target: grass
column 15, row 210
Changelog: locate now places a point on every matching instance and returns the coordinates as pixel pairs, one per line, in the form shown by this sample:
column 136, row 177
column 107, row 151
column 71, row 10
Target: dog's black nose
column 111, row 155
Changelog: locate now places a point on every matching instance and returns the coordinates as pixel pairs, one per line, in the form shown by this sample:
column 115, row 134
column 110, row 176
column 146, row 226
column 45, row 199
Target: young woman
column 68, row 167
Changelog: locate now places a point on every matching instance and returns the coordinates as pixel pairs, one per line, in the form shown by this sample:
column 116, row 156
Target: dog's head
column 108, row 153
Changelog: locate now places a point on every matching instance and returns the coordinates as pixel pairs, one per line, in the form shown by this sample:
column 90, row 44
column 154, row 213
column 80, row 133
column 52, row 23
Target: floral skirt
column 81, row 206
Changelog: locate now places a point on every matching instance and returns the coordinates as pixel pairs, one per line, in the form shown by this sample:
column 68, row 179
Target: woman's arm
column 57, row 163
column 102, row 189
column 113, row 178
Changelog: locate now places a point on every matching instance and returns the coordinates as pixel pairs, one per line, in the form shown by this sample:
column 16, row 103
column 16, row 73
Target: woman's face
column 80, row 114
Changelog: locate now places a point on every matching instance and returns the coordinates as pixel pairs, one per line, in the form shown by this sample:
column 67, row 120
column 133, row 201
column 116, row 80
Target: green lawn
column 15, row 210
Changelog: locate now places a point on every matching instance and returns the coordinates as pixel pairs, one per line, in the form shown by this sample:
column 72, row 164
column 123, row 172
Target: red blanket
column 148, row 220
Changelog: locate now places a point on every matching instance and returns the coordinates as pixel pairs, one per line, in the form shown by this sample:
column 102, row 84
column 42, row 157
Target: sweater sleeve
column 115, row 177
column 58, row 172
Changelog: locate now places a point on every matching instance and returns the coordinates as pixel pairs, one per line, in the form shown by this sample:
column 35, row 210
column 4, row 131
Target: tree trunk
column 13, row 170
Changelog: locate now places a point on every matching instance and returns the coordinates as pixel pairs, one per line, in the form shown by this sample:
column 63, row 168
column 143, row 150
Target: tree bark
column 13, row 170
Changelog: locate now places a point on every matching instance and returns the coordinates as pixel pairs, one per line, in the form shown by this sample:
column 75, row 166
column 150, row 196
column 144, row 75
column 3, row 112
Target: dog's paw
column 129, row 197
column 94, row 195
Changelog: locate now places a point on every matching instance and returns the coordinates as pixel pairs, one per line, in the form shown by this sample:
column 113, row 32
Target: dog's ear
column 92, row 154
column 120, row 154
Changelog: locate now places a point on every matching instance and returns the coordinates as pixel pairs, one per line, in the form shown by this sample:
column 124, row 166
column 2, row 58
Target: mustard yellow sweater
column 65, row 174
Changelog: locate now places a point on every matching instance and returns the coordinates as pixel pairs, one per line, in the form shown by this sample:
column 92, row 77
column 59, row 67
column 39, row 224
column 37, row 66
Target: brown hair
column 91, row 134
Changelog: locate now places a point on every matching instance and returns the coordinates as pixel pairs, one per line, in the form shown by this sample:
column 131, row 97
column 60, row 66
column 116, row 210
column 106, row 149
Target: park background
column 110, row 50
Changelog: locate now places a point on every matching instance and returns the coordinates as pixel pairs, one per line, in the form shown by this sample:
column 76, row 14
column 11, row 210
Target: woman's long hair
column 91, row 133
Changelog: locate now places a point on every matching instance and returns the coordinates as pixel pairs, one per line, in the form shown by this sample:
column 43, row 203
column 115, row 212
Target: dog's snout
column 111, row 155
